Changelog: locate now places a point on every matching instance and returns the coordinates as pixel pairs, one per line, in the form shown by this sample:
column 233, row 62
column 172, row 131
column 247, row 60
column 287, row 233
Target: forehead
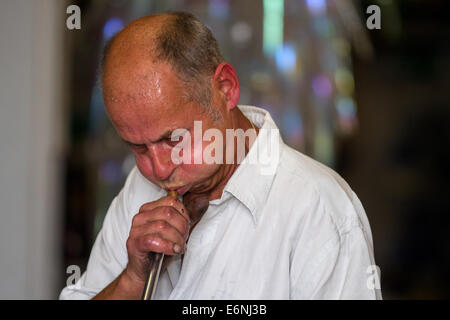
column 137, row 80
column 144, row 99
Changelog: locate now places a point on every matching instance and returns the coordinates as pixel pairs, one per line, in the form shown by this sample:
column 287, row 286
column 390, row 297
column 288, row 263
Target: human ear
column 226, row 81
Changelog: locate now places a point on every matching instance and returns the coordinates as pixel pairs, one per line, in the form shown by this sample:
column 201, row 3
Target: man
column 280, row 226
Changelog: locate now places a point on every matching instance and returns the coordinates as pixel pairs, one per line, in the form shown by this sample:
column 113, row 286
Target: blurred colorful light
column 316, row 7
column 241, row 32
column 345, row 83
column 346, row 112
column 286, row 58
column 112, row 26
column 292, row 125
column 342, row 47
column 323, row 145
column 273, row 25
column 324, row 27
column 345, row 107
column 219, row 8
column 321, row 86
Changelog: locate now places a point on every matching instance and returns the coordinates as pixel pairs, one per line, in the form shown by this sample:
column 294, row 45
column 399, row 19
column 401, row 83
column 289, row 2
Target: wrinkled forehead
column 141, row 89
column 137, row 73
column 143, row 105
column 141, row 82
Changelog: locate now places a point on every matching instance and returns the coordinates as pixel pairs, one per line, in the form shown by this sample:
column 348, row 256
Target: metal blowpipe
column 156, row 260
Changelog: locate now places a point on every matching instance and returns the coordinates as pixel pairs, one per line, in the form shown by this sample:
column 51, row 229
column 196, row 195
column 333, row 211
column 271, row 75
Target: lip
column 180, row 190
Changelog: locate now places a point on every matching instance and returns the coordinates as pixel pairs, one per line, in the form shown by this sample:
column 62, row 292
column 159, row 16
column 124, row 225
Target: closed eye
column 139, row 148
column 177, row 138
column 171, row 143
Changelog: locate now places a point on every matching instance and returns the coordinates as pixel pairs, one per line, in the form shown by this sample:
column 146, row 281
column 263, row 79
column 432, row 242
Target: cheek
column 212, row 149
column 196, row 172
column 191, row 170
column 144, row 165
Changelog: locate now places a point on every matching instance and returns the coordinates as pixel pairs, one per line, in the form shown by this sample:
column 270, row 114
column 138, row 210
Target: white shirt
column 297, row 232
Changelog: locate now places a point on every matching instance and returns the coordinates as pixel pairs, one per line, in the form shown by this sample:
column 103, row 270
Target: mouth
column 181, row 190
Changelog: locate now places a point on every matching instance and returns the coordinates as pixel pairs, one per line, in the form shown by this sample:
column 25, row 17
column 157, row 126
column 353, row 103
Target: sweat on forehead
column 142, row 84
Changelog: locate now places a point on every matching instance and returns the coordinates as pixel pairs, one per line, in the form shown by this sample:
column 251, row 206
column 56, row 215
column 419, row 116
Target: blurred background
column 372, row 104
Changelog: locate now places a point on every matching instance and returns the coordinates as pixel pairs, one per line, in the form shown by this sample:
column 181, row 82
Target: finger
column 157, row 243
column 161, row 228
column 167, row 201
column 166, row 213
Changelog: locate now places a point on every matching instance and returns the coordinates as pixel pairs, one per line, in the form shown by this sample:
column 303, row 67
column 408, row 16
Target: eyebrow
column 165, row 135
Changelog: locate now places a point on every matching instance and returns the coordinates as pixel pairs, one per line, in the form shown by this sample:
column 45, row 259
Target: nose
column 162, row 163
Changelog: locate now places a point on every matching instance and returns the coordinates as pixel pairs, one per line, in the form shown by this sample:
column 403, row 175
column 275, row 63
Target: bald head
column 137, row 38
column 178, row 39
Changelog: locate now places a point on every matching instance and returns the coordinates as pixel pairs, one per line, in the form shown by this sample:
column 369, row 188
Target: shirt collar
column 252, row 180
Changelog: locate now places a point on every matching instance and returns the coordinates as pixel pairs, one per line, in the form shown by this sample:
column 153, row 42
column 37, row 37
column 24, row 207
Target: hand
column 160, row 226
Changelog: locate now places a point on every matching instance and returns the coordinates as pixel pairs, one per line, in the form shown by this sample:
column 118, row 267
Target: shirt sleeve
column 108, row 257
column 337, row 263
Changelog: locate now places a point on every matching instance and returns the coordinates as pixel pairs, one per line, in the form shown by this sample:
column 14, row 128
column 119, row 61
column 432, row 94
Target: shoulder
column 327, row 225
column 319, row 190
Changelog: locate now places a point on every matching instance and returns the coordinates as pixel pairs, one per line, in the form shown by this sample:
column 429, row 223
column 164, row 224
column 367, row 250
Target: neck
column 239, row 121
column 227, row 171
